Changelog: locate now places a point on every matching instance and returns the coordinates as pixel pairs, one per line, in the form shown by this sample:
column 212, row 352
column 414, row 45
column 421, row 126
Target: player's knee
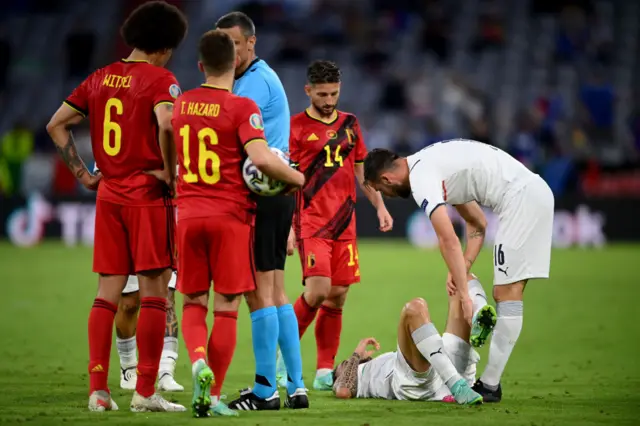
column 129, row 305
column 416, row 308
column 507, row 292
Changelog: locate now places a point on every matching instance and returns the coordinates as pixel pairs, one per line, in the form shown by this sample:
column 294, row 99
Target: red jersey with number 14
column 120, row 99
column 212, row 128
column 326, row 152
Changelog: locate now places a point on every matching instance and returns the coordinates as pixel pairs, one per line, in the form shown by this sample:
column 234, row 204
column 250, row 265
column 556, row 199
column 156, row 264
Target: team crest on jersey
column 256, row 121
column 174, row 91
column 331, row 134
column 311, row 260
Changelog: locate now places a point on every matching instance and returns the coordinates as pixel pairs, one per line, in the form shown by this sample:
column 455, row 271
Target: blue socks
column 289, row 341
column 264, row 332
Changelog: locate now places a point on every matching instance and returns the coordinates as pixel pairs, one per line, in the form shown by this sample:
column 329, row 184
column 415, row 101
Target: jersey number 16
column 206, row 136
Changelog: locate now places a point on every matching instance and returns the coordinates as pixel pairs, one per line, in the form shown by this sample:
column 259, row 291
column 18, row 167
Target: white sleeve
column 426, row 189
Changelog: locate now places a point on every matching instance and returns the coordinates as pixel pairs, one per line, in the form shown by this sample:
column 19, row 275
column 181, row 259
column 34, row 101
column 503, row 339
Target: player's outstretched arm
column 476, row 227
column 59, row 128
column 375, row 198
column 268, row 163
column 451, row 251
column 346, row 386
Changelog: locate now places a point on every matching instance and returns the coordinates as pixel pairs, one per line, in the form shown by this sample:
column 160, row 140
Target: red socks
column 328, row 328
column 100, row 336
column 304, row 313
column 150, row 340
column 194, row 331
column 222, row 345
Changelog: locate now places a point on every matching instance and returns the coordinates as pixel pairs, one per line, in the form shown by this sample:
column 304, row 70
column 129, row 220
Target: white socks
column 477, row 295
column 127, row 352
column 462, row 355
column 431, row 347
column 169, row 356
column 505, row 336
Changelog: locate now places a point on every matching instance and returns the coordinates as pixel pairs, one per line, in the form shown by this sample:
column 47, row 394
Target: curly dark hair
column 154, row 27
column 237, row 19
column 377, row 162
column 320, row 72
column 217, row 52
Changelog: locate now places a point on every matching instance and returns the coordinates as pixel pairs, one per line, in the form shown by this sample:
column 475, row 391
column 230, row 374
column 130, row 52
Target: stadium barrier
column 578, row 221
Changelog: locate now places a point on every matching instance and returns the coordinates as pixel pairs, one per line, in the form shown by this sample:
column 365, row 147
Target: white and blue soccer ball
column 258, row 182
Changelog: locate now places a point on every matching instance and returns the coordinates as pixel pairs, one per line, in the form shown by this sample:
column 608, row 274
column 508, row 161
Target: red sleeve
column 361, row 148
column 250, row 124
column 78, row 100
column 166, row 90
column 294, row 149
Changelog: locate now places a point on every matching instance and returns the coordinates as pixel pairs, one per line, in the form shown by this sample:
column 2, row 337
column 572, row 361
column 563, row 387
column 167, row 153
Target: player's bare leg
column 423, row 348
column 509, row 306
column 100, row 325
column 328, row 329
column 166, row 380
column 289, row 359
column 151, row 326
column 126, row 320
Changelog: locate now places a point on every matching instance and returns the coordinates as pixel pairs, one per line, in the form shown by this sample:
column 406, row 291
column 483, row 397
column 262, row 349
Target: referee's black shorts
column 273, row 223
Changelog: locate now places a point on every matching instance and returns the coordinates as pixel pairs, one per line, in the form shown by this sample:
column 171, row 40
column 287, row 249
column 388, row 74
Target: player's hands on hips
column 386, row 221
column 164, row 176
column 362, row 350
column 291, row 242
column 90, row 181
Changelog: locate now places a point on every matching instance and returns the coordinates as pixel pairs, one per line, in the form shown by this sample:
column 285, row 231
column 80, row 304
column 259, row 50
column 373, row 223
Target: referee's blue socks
column 264, row 331
column 289, row 341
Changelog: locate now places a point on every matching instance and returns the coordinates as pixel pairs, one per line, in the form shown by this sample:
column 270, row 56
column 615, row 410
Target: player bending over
column 215, row 131
column 425, row 366
column 328, row 147
column 457, row 172
column 273, row 321
column 130, row 103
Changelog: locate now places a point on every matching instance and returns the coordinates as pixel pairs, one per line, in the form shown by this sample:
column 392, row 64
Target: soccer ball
column 260, row 183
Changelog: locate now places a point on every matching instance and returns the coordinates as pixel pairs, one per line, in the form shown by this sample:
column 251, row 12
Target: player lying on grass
column 466, row 173
column 425, row 366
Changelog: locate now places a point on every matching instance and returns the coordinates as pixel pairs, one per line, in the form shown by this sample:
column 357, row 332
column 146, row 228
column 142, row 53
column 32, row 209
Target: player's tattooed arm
column 172, row 319
column 347, row 384
column 476, row 228
column 59, row 128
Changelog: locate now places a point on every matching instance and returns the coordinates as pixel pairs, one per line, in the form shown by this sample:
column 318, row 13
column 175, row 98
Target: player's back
column 120, row 99
column 210, row 145
column 468, row 170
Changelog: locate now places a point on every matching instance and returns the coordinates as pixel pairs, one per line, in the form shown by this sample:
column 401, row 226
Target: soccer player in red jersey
column 215, row 132
column 328, row 147
column 130, row 103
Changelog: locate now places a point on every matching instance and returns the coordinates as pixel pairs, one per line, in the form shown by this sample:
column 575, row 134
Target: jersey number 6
column 112, row 127
column 206, row 136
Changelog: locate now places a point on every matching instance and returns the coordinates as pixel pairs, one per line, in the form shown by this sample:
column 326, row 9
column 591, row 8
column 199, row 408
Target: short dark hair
column 237, row 19
column 217, row 52
column 377, row 162
column 320, row 72
column 154, row 27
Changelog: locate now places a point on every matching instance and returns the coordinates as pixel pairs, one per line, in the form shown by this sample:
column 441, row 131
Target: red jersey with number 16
column 120, row 99
column 212, row 127
column 326, row 152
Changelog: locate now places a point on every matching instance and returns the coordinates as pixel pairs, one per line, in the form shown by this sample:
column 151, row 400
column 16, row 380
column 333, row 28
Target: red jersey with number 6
column 120, row 99
column 326, row 152
column 212, row 127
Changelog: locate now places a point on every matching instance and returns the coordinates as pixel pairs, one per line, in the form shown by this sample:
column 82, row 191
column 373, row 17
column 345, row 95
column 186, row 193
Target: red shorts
column 218, row 249
column 132, row 239
column 337, row 260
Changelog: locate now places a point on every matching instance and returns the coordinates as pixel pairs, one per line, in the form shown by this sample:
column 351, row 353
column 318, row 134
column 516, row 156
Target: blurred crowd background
column 555, row 83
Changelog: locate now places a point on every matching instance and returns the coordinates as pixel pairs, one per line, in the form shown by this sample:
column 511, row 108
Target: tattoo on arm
column 476, row 234
column 349, row 377
column 172, row 319
column 69, row 154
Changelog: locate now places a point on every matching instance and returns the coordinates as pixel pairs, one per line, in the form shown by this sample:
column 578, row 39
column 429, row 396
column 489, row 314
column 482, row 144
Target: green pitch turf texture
column 576, row 362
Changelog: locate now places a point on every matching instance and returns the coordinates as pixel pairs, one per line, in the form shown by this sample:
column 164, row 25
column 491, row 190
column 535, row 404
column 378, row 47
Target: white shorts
column 133, row 286
column 429, row 386
column 523, row 240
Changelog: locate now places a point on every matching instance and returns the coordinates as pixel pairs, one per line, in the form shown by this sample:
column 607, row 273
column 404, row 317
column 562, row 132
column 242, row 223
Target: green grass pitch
column 576, row 362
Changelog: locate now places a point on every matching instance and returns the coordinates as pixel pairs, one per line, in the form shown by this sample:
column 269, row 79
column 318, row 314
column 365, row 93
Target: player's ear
column 251, row 41
column 307, row 89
